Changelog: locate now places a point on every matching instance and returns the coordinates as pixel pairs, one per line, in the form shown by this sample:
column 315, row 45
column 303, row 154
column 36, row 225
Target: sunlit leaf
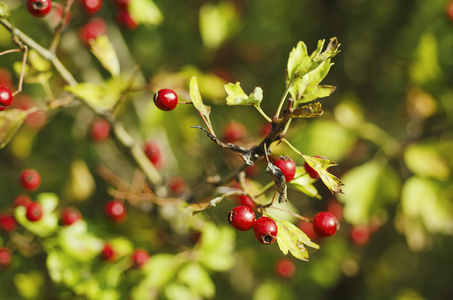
column 46, row 226
column 321, row 165
column 425, row 67
column 236, row 95
column 38, row 62
column 426, row 160
column 292, row 239
column 145, row 12
column 4, row 11
column 216, row 247
column 78, row 243
column 198, row 280
column 106, row 54
column 97, row 95
column 29, row 285
column 304, row 183
column 10, row 122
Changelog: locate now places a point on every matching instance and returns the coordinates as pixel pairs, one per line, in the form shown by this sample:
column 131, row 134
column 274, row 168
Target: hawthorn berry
column 307, row 228
column 6, row 79
column 166, row 99
column 177, row 185
column 154, row 152
column 22, row 200
column 310, row 171
column 70, row 215
column 116, row 211
column 7, row 222
column 287, row 166
column 265, row 230
column 92, row 6
column 99, row 129
column 30, row 179
column 6, row 98
column 360, row 234
column 126, row 21
column 285, row 268
column 92, row 30
column 325, row 224
column 34, row 120
column 108, row 253
column 234, row 132
column 34, row 212
column 5, row 257
column 139, row 258
column 449, row 9
column 39, row 8
column 241, row 218
column 246, row 201
column 122, row 4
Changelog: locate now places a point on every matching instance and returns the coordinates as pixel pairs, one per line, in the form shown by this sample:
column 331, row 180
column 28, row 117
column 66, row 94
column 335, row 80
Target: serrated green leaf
column 236, row 95
column 307, row 111
column 103, row 49
column 97, row 95
column 198, row 280
column 304, row 183
column 291, row 238
column 4, row 11
column 145, row 12
column 321, row 165
column 10, row 122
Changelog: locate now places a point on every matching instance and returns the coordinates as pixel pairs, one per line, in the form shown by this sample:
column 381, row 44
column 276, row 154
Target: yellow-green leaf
column 97, row 95
column 292, row 239
column 321, row 165
column 106, row 54
column 10, row 122
column 145, row 12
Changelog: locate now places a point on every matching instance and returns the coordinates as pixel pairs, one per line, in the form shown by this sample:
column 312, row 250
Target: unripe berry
column 234, row 132
column 139, row 258
column 166, row 99
column 92, row 6
column 5, row 257
column 7, row 222
column 325, row 224
column 241, row 218
column 108, row 253
column 70, row 215
column 285, row 268
column 6, row 98
column 265, row 230
column 287, row 166
column 30, row 179
column 34, row 212
column 39, row 8
column 116, row 211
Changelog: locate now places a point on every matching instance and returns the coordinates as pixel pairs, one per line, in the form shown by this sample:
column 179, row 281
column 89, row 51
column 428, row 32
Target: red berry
column 265, row 230
column 234, row 132
column 246, row 201
column 325, row 224
column 6, row 98
column 287, row 166
column 166, row 99
column 177, row 185
column 241, row 218
column 335, row 208
column 285, row 268
column 7, row 222
column 6, row 79
column 39, row 8
column 5, row 257
column 116, row 211
column 154, row 151
column 22, row 200
column 93, row 29
column 450, row 10
column 266, row 129
column 360, row 234
column 99, row 129
column 34, row 212
column 126, row 21
column 30, row 179
column 92, row 6
column 70, row 215
column 108, row 253
column 34, row 120
column 139, row 258
column 307, row 228
column 122, row 4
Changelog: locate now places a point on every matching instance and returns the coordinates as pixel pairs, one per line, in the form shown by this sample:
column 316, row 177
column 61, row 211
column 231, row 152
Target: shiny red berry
column 241, row 218
column 234, row 132
column 154, row 152
column 30, row 179
column 34, row 212
column 287, row 166
column 246, row 201
column 70, row 215
column 99, row 129
column 126, row 21
column 108, row 253
column 7, row 222
column 39, row 8
column 6, row 98
column 139, row 258
column 285, row 268
column 92, row 30
column 22, row 200
column 5, row 257
column 116, row 211
column 265, row 230
column 166, row 99
column 325, row 224
column 92, row 6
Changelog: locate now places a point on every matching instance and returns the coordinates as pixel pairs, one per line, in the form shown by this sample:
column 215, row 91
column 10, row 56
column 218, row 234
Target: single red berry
column 287, row 166
column 39, row 8
column 139, row 258
column 325, row 224
column 34, row 212
column 99, row 129
column 241, row 218
column 154, row 151
column 6, row 98
column 234, row 132
column 265, row 230
column 166, row 99
column 122, row 4
column 450, row 10
column 92, row 30
column 116, row 211
column 126, row 21
column 5, row 257
column 360, row 234
column 7, row 222
column 30, row 179
column 285, row 268
column 108, row 253
column 22, row 200
column 177, row 185
column 92, row 6
column 70, row 215
column 246, row 201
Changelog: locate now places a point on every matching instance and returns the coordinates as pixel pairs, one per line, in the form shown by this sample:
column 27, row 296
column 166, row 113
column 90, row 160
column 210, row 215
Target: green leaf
column 97, row 95
column 49, row 202
column 176, row 291
column 304, row 183
column 307, row 111
column 216, row 247
column 38, row 62
column 198, row 280
column 321, row 165
column 4, row 11
column 29, row 285
column 195, row 96
column 62, row 268
column 145, row 12
column 291, row 238
column 78, row 243
column 236, row 95
column 10, row 122
column 426, row 160
column 46, row 226
column 425, row 68
column 106, row 54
